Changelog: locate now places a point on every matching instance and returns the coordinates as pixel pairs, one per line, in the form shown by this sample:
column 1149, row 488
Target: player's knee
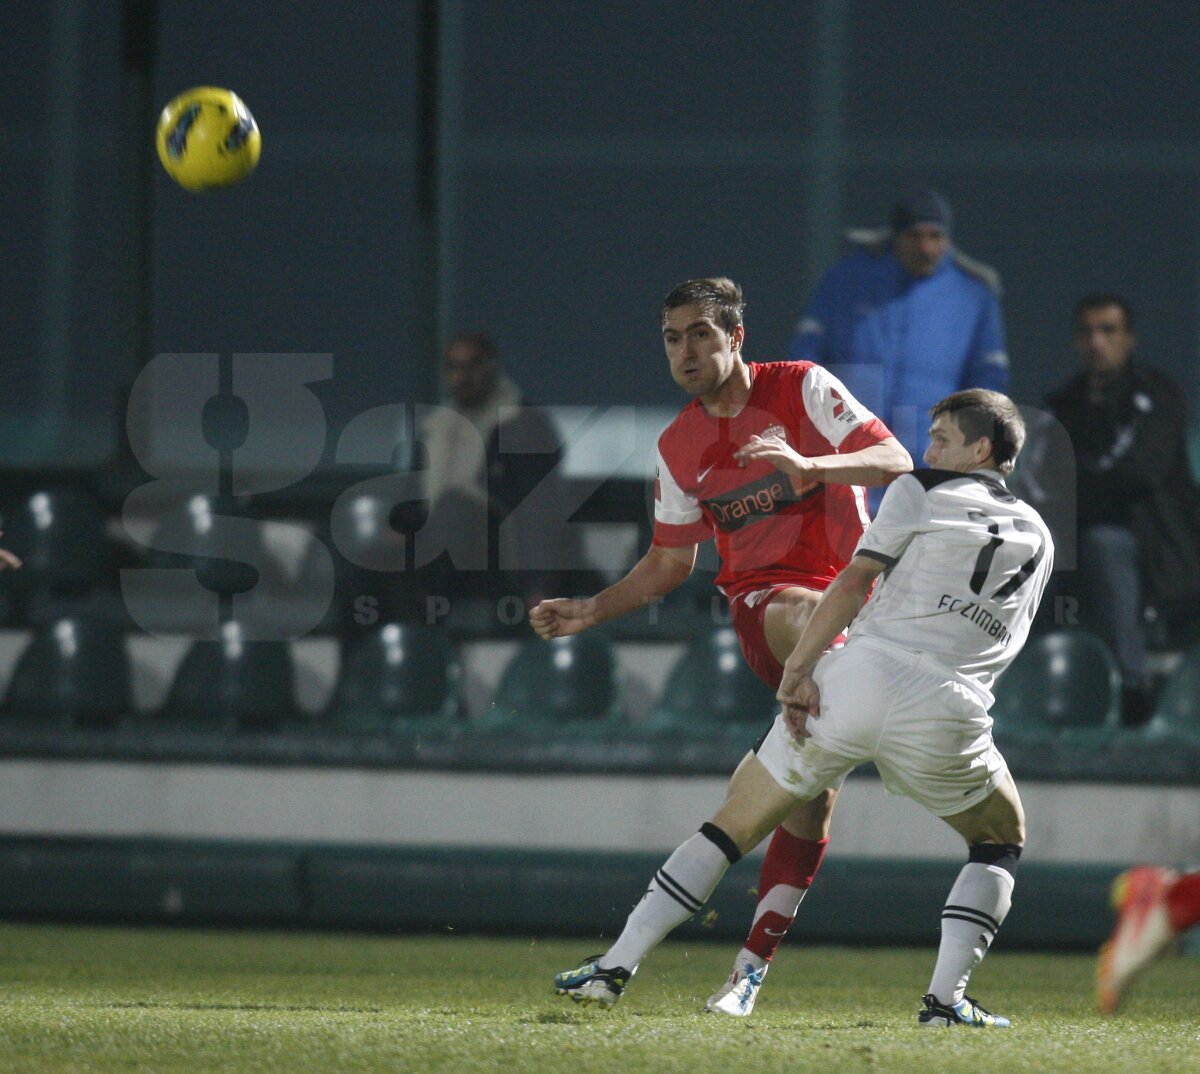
column 722, row 840
column 745, row 827
column 736, row 834
column 1002, row 855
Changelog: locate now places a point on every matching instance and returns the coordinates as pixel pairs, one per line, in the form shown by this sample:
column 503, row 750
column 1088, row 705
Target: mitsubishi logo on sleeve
column 841, row 411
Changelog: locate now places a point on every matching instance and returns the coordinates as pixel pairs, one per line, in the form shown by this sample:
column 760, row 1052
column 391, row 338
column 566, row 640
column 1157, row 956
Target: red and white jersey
column 767, row 533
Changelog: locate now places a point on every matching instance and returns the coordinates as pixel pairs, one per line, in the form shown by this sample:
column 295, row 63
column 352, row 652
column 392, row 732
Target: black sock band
column 1002, row 855
column 721, row 841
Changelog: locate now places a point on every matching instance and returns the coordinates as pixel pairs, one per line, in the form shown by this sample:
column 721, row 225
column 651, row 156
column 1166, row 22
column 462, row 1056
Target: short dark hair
column 979, row 412
column 1098, row 300
column 718, row 296
column 481, row 341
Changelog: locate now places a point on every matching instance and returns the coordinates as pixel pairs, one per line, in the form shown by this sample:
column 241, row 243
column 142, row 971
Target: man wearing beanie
column 907, row 319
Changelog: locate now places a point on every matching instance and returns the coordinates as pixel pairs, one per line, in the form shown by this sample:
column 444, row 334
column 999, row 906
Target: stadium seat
column 402, row 677
column 222, row 556
column 59, row 535
column 1064, row 683
column 1177, row 712
column 73, row 673
column 712, row 690
column 204, row 536
column 568, row 685
column 1167, row 747
column 233, row 684
column 366, row 536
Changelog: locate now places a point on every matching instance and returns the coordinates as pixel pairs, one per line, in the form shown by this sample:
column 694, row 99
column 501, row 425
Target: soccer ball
column 207, row 138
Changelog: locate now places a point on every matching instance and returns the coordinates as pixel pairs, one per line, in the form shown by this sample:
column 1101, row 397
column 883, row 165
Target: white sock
column 744, row 956
column 678, row 890
column 974, row 910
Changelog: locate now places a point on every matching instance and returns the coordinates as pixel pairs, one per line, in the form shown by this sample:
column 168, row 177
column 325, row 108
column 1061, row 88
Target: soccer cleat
column 588, row 983
column 966, row 1012
column 1143, row 931
column 736, row 997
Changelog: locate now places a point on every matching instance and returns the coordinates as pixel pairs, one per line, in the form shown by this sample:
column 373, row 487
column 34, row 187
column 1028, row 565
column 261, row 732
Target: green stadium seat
column 1177, row 712
column 73, row 673
column 194, row 535
column 403, row 677
column 711, row 690
column 368, row 534
column 1167, row 747
column 207, row 536
column 59, row 534
column 233, row 684
column 565, row 686
column 1063, row 685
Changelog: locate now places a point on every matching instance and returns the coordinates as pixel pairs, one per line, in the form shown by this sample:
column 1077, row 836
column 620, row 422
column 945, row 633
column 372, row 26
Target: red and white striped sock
column 786, row 875
column 1183, row 902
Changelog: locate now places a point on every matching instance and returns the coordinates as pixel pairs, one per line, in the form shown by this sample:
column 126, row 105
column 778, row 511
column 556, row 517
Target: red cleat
column 1143, row 931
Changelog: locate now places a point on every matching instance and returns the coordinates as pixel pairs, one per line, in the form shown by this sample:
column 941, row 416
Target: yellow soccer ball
column 207, row 138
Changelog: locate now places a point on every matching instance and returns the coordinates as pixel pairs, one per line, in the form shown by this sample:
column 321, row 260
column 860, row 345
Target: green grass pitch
column 79, row 1000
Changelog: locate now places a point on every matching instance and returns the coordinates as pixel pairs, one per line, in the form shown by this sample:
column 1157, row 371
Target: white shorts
column 929, row 735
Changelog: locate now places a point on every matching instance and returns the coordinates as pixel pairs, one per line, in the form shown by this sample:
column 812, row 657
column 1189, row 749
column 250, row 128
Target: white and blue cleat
column 738, row 994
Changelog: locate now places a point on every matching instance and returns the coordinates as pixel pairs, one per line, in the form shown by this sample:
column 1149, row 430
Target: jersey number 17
column 983, row 563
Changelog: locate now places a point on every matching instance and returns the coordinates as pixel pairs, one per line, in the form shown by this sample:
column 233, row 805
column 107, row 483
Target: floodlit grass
column 82, row 999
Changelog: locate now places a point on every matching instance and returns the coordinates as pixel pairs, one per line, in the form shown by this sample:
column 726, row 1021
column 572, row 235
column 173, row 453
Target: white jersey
column 966, row 566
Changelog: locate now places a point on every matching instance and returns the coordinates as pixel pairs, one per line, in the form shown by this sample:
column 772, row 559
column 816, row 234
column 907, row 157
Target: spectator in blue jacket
column 906, row 319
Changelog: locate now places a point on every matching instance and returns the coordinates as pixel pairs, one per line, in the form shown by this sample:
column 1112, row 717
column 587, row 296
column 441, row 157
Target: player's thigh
column 810, row 820
column 998, row 818
column 755, row 803
column 785, row 617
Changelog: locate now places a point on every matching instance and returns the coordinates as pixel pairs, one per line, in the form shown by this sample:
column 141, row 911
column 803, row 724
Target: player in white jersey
column 964, row 564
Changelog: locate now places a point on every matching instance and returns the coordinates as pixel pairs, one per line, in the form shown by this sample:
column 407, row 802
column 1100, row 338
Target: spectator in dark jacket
column 1137, row 509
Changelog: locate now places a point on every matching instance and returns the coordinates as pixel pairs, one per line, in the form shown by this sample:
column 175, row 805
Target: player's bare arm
column 654, row 576
column 838, row 605
column 877, row 464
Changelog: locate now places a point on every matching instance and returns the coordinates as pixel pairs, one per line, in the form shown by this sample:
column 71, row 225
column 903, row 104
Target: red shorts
column 747, row 610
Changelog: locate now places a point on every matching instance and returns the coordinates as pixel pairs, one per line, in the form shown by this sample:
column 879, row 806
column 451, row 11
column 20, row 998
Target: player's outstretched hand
column 562, row 616
column 804, row 474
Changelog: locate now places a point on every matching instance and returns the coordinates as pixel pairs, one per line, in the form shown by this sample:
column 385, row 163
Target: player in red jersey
column 770, row 459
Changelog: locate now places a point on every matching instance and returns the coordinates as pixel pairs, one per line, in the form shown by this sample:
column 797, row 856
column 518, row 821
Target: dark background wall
column 589, row 157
